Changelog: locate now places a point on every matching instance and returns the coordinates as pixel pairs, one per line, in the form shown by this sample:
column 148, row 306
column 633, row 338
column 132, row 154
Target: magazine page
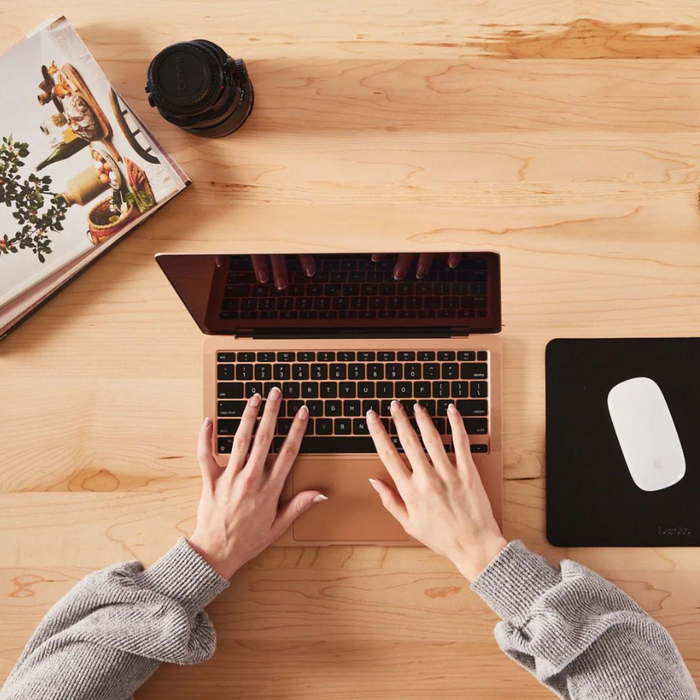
column 77, row 168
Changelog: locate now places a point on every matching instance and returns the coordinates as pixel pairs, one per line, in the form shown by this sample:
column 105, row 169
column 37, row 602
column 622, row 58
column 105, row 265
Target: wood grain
column 565, row 135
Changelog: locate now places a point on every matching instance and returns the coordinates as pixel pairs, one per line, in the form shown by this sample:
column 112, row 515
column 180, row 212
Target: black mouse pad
column 592, row 500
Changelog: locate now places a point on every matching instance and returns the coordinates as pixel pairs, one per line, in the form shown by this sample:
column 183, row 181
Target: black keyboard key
column 460, row 390
column 421, row 390
column 324, row 443
column 266, row 357
column 337, row 372
column 366, row 356
column 442, row 406
column 283, row 372
column 426, row 356
column 301, row 372
column 356, row 372
column 394, row 371
column 466, row 356
column 326, row 357
column 403, row 390
column 329, row 390
column 351, row 408
column 253, row 388
column 315, row 408
column 309, row 390
column 246, row 357
column 479, row 390
column 474, row 371
column 479, row 449
column 431, row 371
column 343, row 426
column 440, row 425
column 226, row 357
column 319, row 372
column 385, row 408
column 446, row 356
column 476, row 426
column 450, row 370
column 244, row 372
column 225, row 372
column 370, row 405
column 334, row 408
column 231, row 409
column 359, row 426
column 375, row 371
column 229, row 391
column 346, row 357
column 293, row 405
column 482, row 355
column 291, row 390
column 386, row 356
column 285, row 356
column 406, row 356
column 472, row 407
column 227, row 426
column 224, row 445
column 365, row 390
column 347, row 390
column 324, row 426
column 269, row 386
column 428, row 405
column 412, row 371
column 306, row 357
column 263, row 373
column 283, row 426
column 385, row 390
column 441, row 390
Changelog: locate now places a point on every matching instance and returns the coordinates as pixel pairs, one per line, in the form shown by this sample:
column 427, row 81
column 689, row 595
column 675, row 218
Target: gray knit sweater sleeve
column 113, row 630
column 579, row 634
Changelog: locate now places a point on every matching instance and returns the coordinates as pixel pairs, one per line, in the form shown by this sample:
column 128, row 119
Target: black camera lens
column 197, row 86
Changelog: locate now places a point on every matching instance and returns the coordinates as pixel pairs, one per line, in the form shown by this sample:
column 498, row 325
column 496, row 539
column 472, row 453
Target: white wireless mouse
column 647, row 434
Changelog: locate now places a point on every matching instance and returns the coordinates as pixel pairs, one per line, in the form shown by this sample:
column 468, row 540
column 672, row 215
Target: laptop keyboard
column 339, row 387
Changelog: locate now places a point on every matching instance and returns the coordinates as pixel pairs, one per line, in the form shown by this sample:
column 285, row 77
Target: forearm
column 113, row 630
column 579, row 634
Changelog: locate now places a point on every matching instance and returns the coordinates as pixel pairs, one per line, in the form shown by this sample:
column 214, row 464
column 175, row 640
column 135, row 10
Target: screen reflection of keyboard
column 339, row 387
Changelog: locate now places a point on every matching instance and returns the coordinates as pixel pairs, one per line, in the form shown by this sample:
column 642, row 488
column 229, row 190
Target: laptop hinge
column 331, row 333
column 244, row 333
column 459, row 331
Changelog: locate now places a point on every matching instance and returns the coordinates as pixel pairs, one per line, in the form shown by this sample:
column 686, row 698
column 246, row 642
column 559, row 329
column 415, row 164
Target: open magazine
column 78, row 170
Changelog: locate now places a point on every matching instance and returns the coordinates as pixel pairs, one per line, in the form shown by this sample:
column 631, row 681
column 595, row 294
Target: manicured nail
column 207, row 423
column 303, row 413
column 374, row 484
column 417, row 408
column 395, row 406
column 310, row 270
column 320, row 498
column 452, row 408
column 255, row 400
column 371, row 416
column 420, row 273
column 264, row 277
column 274, row 394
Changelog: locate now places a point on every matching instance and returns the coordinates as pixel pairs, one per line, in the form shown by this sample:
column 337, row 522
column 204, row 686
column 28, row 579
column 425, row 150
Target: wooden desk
column 564, row 135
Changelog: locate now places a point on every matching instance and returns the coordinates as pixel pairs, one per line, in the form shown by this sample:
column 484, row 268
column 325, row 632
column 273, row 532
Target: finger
column 388, row 453
column 376, row 257
column 391, row 501
column 409, row 440
column 265, row 431
column 244, row 434
column 210, row 469
column 279, row 271
column 402, row 264
column 460, row 439
column 290, row 447
column 308, row 264
column 425, row 261
column 453, row 259
column 293, row 508
column 431, row 437
column 262, row 272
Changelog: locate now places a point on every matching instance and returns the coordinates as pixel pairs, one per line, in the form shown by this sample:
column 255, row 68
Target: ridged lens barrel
column 197, row 86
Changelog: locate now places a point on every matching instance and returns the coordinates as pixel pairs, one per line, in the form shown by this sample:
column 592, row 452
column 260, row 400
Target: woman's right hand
column 440, row 503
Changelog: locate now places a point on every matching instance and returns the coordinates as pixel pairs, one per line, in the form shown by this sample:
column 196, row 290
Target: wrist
column 474, row 559
column 222, row 565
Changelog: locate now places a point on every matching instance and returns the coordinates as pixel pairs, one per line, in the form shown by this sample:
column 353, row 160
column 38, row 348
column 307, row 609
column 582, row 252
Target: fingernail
column 320, row 498
column 452, row 407
column 264, row 277
column 310, row 270
column 303, row 413
column 395, row 405
column 417, row 408
column 374, row 483
column 207, row 422
column 420, row 273
column 255, row 400
column 274, row 394
column 371, row 416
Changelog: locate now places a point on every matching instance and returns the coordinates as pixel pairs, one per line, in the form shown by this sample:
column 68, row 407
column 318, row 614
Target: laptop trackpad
column 354, row 512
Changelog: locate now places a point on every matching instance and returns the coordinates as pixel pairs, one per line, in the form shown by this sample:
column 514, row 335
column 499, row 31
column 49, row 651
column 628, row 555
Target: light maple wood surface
column 565, row 135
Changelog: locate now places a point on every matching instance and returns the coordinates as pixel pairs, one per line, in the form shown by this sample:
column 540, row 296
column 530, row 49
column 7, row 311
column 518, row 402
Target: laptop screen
column 228, row 294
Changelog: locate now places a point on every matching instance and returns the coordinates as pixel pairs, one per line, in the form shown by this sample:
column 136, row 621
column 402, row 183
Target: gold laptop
column 346, row 333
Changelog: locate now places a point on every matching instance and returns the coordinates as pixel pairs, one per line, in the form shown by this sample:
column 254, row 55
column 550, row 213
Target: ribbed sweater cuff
column 184, row 576
column 514, row 580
